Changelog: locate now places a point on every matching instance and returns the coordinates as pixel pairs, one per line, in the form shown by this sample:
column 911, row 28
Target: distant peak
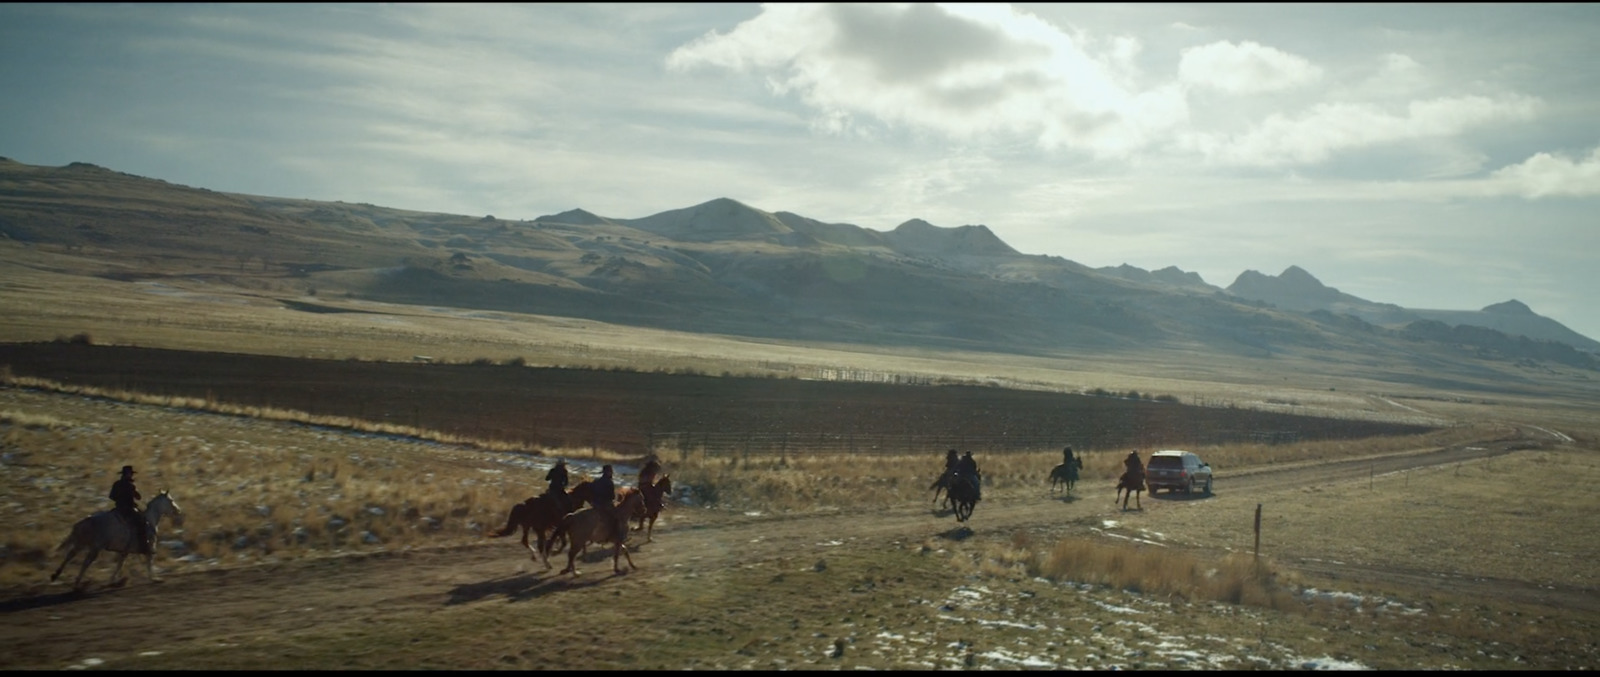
column 577, row 217
column 724, row 203
column 1298, row 274
column 1512, row 307
column 915, row 224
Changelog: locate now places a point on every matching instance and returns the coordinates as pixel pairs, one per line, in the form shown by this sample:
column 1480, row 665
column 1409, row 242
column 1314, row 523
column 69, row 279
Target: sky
column 1431, row 156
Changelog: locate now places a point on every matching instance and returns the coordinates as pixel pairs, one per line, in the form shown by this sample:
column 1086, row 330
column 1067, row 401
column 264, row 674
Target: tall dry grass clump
column 1157, row 570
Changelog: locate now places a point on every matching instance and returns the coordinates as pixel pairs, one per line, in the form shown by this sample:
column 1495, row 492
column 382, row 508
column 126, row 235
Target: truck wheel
column 1208, row 486
column 1188, row 487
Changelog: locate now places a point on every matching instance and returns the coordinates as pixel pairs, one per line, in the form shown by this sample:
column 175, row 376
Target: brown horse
column 1133, row 484
column 541, row 515
column 655, row 498
column 599, row 525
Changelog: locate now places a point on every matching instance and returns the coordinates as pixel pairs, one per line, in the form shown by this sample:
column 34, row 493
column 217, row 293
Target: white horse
column 106, row 530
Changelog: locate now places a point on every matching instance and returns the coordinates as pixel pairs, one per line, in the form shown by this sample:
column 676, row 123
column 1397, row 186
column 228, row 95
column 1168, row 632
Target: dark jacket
column 1066, row 456
column 125, row 495
column 647, row 474
column 967, row 466
column 1134, row 465
column 603, row 493
column 557, row 477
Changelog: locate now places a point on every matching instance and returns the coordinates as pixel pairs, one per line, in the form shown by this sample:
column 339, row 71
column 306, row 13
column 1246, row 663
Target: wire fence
column 796, row 443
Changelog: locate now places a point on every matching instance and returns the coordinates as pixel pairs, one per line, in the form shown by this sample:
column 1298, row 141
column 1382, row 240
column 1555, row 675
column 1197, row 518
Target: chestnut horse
column 655, row 498
column 1133, row 484
column 599, row 525
column 541, row 515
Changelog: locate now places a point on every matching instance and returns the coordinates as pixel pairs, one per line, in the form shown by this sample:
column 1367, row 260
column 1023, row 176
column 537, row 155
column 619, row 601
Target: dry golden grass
column 1165, row 572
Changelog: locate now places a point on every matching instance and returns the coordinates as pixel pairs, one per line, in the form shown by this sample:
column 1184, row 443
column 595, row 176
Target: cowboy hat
column 127, row 470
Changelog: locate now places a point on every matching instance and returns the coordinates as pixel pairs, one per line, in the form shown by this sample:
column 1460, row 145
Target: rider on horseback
column 603, row 496
column 1135, row 468
column 647, row 474
column 967, row 467
column 127, row 498
column 1066, row 456
column 557, row 477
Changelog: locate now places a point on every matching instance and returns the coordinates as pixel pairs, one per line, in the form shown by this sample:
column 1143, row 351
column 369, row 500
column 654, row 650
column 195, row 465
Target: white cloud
column 1545, row 175
column 1329, row 128
column 965, row 71
column 1244, row 68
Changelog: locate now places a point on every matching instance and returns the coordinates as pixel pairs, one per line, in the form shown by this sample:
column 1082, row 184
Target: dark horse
column 541, row 515
column 655, row 498
column 942, row 485
column 1066, row 475
column 1132, row 483
column 963, row 495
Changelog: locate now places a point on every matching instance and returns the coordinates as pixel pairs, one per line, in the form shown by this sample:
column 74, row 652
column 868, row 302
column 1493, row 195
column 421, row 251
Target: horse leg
column 116, row 572
column 621, row 549
column 87, row 560
column 70, row 554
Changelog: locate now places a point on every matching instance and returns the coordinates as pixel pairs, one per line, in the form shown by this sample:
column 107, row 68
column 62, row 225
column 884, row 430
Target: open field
column 320, row 544
column 773, row 578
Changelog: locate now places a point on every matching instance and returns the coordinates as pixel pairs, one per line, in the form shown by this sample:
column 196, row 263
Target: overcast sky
column 1431, row 156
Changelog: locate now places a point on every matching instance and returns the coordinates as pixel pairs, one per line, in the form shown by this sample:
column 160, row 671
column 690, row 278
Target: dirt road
column 50, row 627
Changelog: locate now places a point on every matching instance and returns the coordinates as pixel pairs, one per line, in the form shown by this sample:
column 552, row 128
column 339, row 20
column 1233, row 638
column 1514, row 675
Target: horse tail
column 516, row 517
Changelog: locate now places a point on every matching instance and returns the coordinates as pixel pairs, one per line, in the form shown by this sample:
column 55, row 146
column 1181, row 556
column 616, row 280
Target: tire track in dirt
column 48, row 630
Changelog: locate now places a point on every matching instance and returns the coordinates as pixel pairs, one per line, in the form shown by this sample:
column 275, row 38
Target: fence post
column 1258, row 531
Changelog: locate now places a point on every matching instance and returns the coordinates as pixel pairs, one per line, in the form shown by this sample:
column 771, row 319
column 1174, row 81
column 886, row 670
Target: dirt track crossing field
column 279, row 615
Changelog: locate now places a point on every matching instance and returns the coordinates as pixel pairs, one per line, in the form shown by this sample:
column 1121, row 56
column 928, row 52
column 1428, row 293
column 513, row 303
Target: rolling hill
column 730, row 268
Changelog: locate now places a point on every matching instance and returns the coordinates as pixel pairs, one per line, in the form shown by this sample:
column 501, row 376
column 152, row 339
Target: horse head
column 163, row 504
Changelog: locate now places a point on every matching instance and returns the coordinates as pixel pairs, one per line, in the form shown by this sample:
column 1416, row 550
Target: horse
column 599, row 525
column 108, row 530
column 1065, row 474
column 942, row 485
column 541, row 515
column 1133, row 484
column 654, row 500
column 963, row 495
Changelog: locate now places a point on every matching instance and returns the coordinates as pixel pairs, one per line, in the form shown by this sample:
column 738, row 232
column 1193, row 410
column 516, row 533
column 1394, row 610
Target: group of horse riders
column 602, row 491
column 964, row 466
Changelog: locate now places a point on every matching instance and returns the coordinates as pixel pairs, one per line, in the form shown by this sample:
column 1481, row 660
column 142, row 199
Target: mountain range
column 726, row 267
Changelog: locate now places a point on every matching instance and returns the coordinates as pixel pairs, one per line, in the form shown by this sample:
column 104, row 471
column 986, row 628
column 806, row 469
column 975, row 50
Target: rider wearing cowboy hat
column 127, row 498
